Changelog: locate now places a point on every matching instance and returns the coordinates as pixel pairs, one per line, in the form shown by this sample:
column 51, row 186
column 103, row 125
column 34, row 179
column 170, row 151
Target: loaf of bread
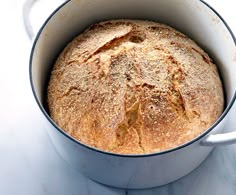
column 134, row 87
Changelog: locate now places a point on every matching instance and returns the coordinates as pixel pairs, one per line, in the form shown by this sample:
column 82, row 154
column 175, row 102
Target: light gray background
column 29, row 165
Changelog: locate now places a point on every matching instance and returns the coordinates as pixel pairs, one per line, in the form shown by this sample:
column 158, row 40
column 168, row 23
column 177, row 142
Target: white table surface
column 29, row 164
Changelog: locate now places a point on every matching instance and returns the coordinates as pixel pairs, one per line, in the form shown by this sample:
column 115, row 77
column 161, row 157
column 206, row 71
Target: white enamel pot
column 194, row 18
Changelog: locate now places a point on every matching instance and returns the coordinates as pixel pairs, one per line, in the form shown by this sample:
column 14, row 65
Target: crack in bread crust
column 115, row 42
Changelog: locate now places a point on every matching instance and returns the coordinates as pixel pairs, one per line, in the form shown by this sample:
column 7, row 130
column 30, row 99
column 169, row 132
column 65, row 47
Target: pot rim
column 225, row 112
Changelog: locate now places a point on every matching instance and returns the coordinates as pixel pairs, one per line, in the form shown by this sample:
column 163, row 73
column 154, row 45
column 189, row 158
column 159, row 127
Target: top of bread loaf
column 134, row 87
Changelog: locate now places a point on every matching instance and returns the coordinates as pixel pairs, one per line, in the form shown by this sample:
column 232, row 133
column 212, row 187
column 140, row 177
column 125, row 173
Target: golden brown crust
column 132, row 87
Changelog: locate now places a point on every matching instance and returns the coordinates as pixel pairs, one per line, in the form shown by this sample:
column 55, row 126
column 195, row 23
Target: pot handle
column 26, row 17
column 219, row 139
